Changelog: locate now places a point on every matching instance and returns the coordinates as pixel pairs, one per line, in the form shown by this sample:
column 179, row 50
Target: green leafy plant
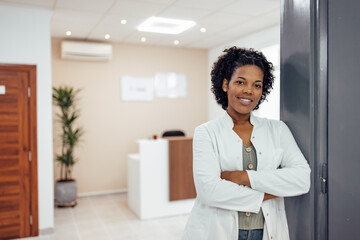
column 65, row 98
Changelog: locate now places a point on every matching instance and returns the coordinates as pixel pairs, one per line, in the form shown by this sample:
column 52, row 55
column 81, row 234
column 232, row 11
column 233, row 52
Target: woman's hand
column 268, row 196
column 241, row 178
column 238, row 177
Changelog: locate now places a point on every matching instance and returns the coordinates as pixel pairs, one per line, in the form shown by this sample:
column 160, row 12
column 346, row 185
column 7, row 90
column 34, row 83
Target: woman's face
column 244, row 89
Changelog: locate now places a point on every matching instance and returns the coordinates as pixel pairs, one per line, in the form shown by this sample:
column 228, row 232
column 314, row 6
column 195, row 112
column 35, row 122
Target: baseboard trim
column 89, row 194
column 46, row 231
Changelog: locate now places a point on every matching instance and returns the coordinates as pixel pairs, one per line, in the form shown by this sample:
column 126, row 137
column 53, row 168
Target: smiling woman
column 230, row 62
column 244, row 166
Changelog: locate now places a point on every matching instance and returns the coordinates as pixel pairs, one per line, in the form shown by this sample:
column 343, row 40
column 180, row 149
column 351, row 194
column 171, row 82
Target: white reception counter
column 148, row 182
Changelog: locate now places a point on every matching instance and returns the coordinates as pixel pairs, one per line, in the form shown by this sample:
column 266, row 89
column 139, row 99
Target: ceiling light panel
column 165, row 25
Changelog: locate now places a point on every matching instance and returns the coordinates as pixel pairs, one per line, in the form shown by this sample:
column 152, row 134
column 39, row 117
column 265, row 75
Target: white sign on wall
column 137, row 88
column 170, row 85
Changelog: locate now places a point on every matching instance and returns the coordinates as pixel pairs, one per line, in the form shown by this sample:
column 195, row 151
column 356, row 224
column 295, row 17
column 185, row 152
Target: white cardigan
column 282, row 171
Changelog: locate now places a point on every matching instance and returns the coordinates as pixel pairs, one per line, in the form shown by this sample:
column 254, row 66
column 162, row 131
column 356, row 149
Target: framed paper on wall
column 137, row 88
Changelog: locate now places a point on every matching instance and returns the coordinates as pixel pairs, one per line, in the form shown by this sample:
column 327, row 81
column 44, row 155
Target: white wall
column 25, row 39
column 259, row 40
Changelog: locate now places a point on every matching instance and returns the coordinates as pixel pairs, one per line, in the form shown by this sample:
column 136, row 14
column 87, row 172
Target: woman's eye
column 239, row 82
column 258, row 86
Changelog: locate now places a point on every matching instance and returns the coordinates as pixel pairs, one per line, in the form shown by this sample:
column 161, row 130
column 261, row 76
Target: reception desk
column 160, row 178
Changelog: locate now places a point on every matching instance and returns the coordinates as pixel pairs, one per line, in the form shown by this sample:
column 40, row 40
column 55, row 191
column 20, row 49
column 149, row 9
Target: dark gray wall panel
column 320, row 57
column 344, row 119
column 296, row 102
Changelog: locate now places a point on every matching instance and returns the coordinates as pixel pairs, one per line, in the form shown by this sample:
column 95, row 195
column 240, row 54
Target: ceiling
column 224, row 20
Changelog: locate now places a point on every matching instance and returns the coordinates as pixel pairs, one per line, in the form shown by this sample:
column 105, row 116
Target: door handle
column 324, row 178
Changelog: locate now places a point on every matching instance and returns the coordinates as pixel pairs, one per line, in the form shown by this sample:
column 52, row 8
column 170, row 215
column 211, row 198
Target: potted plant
column 66, row 187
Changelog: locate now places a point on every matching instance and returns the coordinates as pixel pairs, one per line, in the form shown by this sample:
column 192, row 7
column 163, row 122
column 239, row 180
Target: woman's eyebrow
column 246, row 79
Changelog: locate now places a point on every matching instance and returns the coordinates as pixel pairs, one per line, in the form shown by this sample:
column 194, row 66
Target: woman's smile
column 245, row 101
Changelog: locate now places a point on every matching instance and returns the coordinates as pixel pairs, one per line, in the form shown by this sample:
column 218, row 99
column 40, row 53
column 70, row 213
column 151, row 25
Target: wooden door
column 18, row 170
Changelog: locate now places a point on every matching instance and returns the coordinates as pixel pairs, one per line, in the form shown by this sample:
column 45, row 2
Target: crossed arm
column 242, row 178
column 246, row 190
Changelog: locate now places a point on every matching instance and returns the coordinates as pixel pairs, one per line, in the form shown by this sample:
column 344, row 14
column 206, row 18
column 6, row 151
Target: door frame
column 31, row 71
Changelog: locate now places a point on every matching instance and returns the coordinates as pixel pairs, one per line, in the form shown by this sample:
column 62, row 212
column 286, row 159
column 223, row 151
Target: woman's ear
column 225, row 85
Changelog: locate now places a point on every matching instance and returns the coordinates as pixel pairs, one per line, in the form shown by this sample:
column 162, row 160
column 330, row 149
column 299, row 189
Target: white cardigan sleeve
column 293, row 178
column 210, row 188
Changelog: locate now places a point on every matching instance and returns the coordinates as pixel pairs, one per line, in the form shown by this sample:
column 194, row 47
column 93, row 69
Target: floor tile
column 108, row 217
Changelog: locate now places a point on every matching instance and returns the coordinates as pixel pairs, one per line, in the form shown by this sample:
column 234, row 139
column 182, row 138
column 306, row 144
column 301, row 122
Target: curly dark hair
column 227, row 64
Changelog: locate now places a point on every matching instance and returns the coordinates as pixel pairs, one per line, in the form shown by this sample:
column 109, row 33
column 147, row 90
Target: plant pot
column 65, row 193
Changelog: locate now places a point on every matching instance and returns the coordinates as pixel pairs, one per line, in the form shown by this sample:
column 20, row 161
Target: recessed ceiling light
column 107, row 36
column 68, row 33
column 123, row 21
column 176, row 42
column 203, row 30
column 165, row 25
column 143, row 39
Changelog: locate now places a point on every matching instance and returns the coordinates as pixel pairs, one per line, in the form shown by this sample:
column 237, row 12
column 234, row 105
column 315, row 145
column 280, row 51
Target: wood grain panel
column 8, row 163
column 7, row 219
column 180, row 169
column 9, row 231
column 17, row 173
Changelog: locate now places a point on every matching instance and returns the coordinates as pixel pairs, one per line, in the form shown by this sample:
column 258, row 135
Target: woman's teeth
column 245, row 99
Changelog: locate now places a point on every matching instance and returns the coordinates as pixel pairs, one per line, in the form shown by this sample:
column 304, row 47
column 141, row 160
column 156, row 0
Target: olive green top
column 247, row 220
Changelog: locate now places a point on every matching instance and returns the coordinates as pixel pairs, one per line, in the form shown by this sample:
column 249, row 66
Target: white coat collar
column 229, row 122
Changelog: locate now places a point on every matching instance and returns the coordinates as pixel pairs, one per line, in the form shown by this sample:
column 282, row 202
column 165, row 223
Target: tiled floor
column 109, row 217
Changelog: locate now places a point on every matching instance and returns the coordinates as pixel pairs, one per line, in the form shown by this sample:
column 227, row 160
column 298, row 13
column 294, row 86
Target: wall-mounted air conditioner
column 86, row 51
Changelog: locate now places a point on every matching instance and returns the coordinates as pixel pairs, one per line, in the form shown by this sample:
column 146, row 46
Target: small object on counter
column 154, row 136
